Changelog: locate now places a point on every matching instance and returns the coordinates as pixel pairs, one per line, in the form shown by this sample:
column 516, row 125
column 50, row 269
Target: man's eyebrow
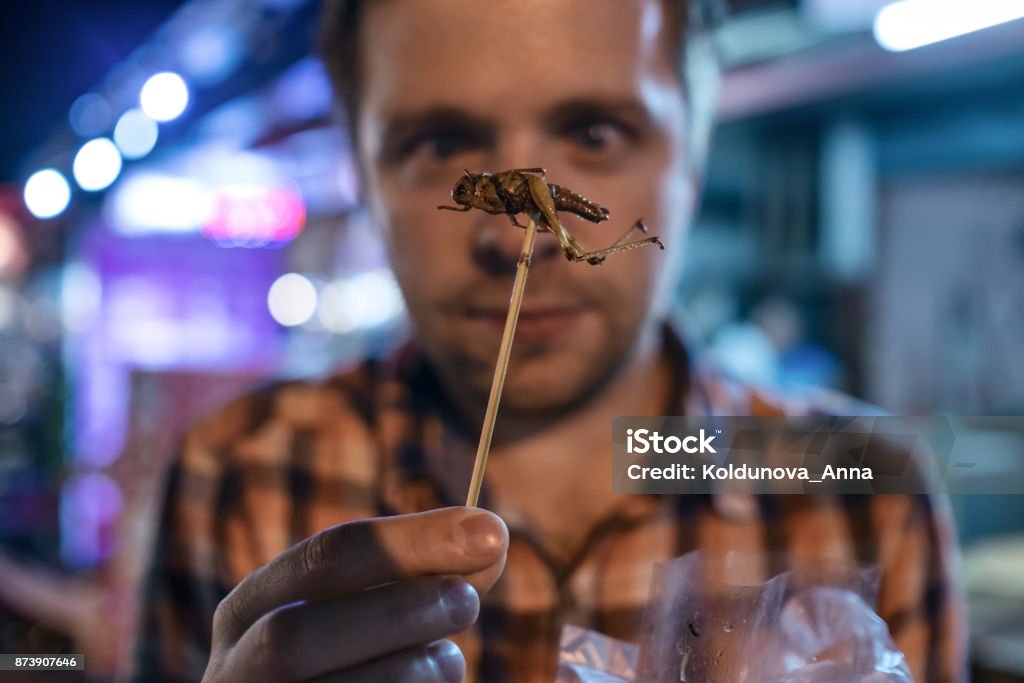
column 568, row 110
column 439, row 117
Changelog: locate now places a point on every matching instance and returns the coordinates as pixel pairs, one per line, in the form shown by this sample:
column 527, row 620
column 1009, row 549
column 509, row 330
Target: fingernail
column 448, row 659
column 460, row 601
column 480, row 534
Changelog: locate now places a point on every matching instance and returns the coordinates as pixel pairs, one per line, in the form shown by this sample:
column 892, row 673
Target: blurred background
column 178, row 222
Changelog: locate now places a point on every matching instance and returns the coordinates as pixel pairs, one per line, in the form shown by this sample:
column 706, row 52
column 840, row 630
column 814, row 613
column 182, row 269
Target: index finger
column 354, row 556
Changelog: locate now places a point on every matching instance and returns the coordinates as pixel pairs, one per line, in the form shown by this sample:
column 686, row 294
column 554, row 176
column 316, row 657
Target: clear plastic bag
column 588, row 657
column 796, row 628
column 830, row 634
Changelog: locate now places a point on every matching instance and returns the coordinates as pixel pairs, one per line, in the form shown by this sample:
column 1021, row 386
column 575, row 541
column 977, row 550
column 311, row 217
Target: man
column 262, row 502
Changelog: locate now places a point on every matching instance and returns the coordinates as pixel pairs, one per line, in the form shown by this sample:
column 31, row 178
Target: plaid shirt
column 277, row 466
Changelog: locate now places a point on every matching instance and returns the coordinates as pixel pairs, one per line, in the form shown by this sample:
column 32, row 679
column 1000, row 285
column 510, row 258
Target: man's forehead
column 530, row 15
column 431, row 53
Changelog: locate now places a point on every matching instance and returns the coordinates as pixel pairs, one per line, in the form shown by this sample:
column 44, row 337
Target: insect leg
column 545, row 203
column 461, row 209
column 597, row 257
column 574, row 251
column 639, row 225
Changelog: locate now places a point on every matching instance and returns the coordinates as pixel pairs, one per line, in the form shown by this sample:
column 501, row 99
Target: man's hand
column 364, row 601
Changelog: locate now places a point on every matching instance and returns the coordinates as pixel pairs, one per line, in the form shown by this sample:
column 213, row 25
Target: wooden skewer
column 501, row 367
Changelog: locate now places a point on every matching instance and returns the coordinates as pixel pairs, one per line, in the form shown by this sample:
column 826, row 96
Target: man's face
column 584, row 89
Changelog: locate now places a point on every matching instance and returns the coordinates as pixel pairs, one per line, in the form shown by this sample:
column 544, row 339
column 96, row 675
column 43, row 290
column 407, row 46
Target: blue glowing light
column 135, row 134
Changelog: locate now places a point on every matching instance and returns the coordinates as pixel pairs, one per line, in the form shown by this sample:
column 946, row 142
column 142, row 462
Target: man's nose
column 498, row 244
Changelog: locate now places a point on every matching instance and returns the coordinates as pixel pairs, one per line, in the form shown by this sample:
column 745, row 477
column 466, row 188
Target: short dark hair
column 692, row 21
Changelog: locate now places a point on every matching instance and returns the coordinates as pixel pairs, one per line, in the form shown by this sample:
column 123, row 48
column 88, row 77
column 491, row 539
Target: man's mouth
column 535, row 322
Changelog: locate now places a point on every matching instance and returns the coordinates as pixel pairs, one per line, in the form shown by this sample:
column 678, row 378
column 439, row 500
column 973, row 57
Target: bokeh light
column 47, row 193
column 135, row 134
column 81, row 296
column 148, row 203
column 255, row 216
column 364, row 301
column 10, row 305
column 910, row 24
column 209, row 55
column 89, row 505
column 164, row 96
column 97, row 164
column 292, row 299
column 12, row 403
column 13, row 254
column 90, row 115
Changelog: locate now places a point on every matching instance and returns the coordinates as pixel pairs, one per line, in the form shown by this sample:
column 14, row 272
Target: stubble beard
column 538, row 385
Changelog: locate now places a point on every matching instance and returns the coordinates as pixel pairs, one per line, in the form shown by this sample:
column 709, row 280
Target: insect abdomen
column 567, row 200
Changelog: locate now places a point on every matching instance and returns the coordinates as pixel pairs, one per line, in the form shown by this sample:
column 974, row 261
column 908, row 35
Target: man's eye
column 443, row 144
column 595, row 135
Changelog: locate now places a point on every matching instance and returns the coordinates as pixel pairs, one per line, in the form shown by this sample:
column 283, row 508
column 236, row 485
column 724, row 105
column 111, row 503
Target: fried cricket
column 524, row 190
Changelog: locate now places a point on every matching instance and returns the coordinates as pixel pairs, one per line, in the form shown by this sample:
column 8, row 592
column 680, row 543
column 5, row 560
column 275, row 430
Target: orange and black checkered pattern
column 284, row 463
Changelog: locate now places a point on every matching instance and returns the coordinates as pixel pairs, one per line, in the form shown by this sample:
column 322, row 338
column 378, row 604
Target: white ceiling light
column 164, row 96
column 910, row 24
column 97, row 164
column 47, row 193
